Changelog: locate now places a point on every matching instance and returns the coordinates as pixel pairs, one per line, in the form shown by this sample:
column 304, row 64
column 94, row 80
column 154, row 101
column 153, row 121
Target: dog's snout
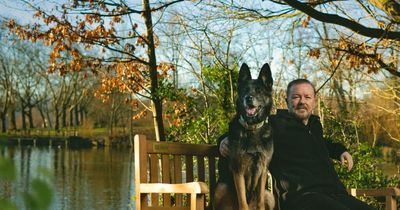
column 249, row 98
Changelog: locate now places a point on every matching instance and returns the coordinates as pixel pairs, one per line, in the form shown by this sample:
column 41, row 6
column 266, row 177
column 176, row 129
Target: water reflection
column 81, row 179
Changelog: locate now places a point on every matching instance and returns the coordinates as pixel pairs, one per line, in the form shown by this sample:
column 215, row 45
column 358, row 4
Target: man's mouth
column 302, row 108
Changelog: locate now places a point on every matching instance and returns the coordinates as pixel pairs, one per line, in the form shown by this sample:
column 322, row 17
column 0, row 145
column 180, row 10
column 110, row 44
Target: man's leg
column 315, row 201
column 352, row 202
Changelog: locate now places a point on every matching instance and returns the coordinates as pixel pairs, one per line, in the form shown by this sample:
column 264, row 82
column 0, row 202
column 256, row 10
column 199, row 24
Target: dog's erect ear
column 266, row 76
column 244, row 73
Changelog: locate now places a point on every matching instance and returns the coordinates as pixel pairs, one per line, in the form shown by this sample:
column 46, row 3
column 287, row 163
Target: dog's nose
column 249, row 98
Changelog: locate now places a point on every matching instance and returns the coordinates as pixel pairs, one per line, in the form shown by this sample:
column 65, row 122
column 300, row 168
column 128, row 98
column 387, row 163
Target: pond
column 80, row 178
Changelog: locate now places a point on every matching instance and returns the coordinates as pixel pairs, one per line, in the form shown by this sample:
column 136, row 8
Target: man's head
column 301, row 98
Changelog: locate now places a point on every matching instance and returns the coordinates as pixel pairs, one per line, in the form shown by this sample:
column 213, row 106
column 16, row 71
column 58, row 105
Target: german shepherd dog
column 243, row 175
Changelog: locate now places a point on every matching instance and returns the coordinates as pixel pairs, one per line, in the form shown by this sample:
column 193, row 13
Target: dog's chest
column 250, row 149
column 253, row 142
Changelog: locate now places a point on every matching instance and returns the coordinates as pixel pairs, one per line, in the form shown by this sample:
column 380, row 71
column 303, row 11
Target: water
column 80, row 178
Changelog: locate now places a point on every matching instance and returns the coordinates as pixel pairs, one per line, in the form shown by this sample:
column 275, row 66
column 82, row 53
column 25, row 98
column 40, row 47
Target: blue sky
column 266, row 40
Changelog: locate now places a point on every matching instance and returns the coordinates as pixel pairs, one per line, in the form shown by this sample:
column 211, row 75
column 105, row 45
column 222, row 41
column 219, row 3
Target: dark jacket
column 301, row 161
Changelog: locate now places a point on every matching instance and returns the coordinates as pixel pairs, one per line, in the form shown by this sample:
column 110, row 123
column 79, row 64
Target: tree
column 366, row 32
column 100, row 25
column 6, row 88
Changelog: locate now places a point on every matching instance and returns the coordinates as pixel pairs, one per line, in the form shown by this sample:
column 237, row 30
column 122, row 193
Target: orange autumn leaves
column 357, row 55
column 71, row 35
column 65, row 38
column 130, row 77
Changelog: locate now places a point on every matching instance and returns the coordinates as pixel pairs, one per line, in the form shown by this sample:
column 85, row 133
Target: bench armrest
column 390, row 191
column 190, row 187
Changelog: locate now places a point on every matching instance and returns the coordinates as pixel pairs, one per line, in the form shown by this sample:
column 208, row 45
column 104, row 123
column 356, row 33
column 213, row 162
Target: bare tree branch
column 374, row 56
column 338, row 20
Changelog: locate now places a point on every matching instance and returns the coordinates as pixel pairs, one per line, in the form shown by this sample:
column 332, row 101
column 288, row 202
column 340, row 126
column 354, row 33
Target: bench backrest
column 171, row 162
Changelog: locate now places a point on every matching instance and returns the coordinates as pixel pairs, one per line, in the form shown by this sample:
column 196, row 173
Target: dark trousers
column 321, row 201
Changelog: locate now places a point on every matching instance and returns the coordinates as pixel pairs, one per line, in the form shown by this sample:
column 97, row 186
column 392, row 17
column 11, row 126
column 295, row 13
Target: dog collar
column 251, row 127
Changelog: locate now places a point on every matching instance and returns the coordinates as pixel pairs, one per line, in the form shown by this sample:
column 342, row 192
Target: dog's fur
column 250, row 146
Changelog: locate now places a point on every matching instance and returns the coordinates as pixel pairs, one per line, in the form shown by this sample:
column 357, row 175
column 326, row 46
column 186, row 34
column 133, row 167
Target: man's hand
column 223, row 147
column 344, row 157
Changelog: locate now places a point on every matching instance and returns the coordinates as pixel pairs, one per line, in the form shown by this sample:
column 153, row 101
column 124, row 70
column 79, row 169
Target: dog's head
column 254, row 99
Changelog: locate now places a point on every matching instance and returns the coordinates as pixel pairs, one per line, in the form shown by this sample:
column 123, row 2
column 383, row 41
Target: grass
column 80, row 131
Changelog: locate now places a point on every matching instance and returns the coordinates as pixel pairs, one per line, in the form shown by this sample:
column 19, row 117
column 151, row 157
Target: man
column 303, row 173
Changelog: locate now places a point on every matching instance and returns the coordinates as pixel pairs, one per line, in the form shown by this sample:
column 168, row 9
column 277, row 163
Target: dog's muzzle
column 250, row 108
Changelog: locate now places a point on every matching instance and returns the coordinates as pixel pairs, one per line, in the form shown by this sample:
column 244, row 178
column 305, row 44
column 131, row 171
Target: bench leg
column 192, row 201
column 200, row 202
column 391, row 203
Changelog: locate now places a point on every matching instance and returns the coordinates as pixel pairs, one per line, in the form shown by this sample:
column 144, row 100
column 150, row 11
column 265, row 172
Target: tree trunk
column 156, row 99
column 3, row 122
column 49, row 119
column 64, row 117
column 82, row 115
column 111, row 119
column 57, row 121
column 23, row 118
column 43, row 117
column 13, row 120
column 71, row 117
column 30, row 117
column 76, row 112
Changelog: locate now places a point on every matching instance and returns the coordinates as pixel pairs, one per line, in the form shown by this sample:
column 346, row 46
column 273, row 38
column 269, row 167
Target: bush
column 365, row 172
column 40, row 195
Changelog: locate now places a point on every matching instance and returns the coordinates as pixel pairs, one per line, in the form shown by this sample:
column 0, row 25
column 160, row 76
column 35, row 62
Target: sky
column 15, row 9
column 266, row 41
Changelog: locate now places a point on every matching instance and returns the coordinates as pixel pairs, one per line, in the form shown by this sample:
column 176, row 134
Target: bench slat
column 154, row 172
column 189, row 168
column 166, row 208
column 190, row 187
column 140, row 169
column 390, row 191
column 166, row 178
column 178, row 177
column 200, row 168
column 174, row 148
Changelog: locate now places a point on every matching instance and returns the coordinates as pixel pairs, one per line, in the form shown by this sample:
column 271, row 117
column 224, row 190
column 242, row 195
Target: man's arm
column 222, row 144
column 339, row 152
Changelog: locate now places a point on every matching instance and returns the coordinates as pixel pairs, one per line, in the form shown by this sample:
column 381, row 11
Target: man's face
column 301, row 101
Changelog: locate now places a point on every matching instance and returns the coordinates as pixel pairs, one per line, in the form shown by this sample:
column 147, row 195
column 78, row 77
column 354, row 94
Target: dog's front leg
column 261, row 199
column 241, row 191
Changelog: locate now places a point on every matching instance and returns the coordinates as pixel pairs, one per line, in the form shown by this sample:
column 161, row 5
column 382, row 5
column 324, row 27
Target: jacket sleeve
column 335, row 149
column 221, row 138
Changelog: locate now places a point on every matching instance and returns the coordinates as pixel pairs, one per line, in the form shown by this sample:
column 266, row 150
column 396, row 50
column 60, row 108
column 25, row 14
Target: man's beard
column 301, row 113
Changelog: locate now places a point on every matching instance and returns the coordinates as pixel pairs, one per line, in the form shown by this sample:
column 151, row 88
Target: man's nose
column 300, row 100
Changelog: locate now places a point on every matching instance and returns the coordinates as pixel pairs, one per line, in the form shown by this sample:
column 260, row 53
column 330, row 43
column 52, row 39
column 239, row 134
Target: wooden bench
column 390, row 195
column 176, row 176
column 184, row 174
